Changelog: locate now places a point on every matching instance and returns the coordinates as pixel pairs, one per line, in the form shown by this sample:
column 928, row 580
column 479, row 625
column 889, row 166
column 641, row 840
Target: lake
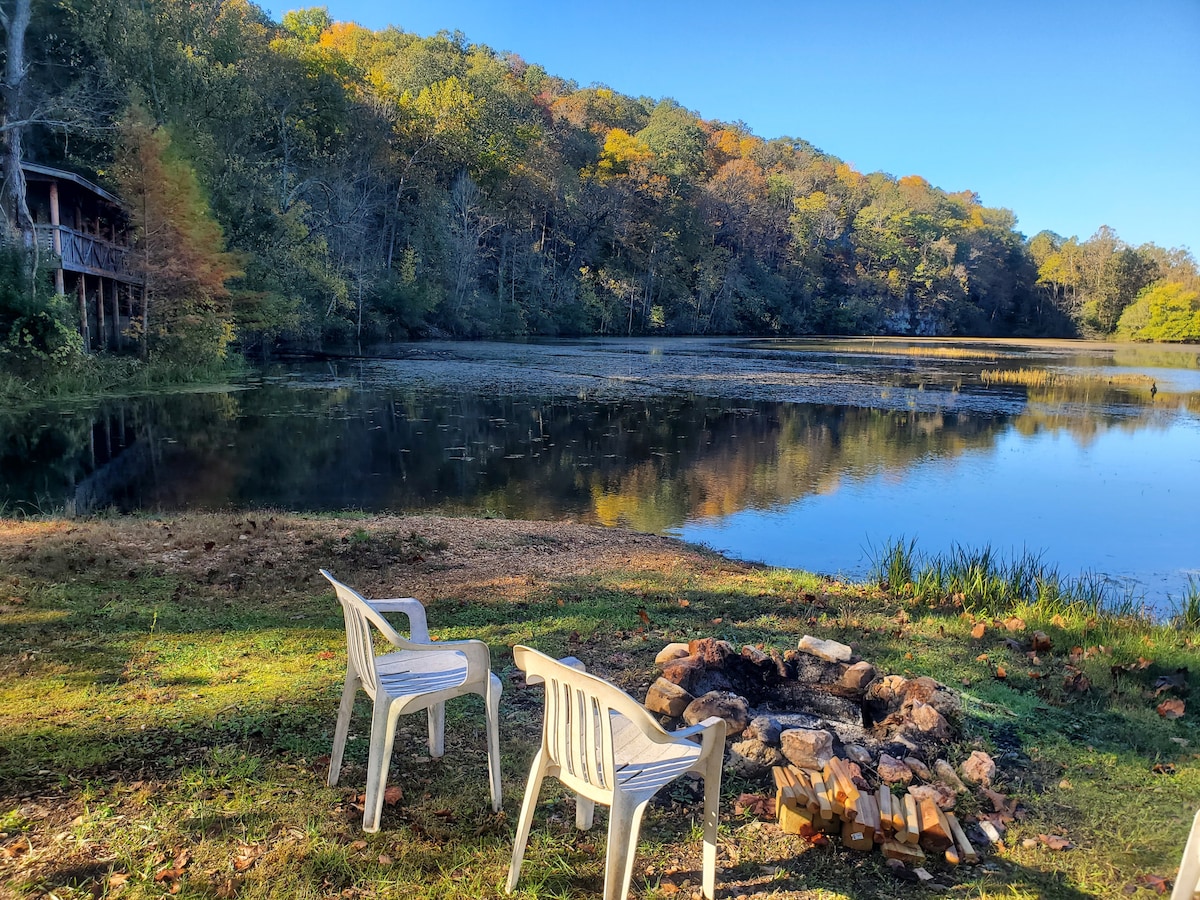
column 808, row 453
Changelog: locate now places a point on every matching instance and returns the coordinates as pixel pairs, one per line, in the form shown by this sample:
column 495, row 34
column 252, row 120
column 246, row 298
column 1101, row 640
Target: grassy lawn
column 170, row 689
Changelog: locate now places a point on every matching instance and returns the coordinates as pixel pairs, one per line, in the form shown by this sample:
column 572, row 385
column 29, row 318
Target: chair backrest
column 577, row 731
column 360, row 617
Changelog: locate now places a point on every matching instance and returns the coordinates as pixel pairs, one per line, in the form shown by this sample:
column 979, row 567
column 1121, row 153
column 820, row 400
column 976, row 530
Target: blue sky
column 1072, row 113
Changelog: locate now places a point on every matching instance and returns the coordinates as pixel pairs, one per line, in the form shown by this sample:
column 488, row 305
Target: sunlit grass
column 152, row 705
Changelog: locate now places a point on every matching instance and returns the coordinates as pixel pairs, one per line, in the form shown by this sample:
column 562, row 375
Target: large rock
column 979, row 768
column 807, row 748
column 858, row 753
column 830, row 651
column 764, row 728
column 856, row 677
column 671, row 652
column 730, row 707
column 918, row 768
column 927, row 722
column 753, row 758
column 939, row 793
column 926, row 690
column 667, row 698
column 711, row 652
column 894, row 771
column 685, row 672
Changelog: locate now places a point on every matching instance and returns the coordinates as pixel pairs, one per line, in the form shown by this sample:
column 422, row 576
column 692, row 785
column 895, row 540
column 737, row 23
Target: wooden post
column 101, row 331
column 59, row 286
column 83, row 316
column 116, row 317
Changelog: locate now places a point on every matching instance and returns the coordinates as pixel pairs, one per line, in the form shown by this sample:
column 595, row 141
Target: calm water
column 813, row 454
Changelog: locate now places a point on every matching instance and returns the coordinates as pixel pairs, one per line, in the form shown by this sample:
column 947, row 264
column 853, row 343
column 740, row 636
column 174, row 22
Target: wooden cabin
column 85, row 230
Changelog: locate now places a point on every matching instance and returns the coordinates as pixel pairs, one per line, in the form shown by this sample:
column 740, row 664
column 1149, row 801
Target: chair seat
column 404, row 674
column 644, row 765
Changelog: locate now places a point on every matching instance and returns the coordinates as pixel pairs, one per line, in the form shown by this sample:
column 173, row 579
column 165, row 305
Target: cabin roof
column 63, row 175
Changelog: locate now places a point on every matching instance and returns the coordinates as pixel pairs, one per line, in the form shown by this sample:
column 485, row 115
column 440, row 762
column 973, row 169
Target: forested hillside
column 374, row 185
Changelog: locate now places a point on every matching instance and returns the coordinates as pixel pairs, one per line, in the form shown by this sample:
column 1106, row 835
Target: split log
column 822, row 792
column 912, row 820
column 967, row 852
column 857, row 836
column 935, row 831
column 909, row 853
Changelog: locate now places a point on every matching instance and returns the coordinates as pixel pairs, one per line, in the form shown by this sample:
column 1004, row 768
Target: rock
column 730, row 707
column 787, row 720
column 937, row 695
column 755, row 657
column 807, row 748
column 753, row 758
column 893, row 771
column 670, row 652
column 711, row 651
column 667, row 698
column 918, row 768
column 830, row 651
column 858, row 754
column 946, row 772
column 857, row 677
column 685, row 671
column 978, row 768
column 764, row 728
column 939, row 793
column 928, row 722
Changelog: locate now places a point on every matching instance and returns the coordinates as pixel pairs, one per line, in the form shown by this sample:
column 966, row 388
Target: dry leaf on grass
column 392, row 795
column 1055, row 841
column 1155, row 883
column 117, row 879
column 16, row 848
column 756, row 805
column 1171, row 709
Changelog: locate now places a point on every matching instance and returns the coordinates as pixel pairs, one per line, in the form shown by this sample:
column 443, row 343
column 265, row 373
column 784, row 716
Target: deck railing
column 86, row 252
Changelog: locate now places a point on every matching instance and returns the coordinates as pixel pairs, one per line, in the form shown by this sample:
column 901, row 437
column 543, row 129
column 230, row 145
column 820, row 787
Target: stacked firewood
column 832, row 801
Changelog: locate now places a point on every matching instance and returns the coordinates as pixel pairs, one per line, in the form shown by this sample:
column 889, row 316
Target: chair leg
column 625, row 821
column 437, row 730
column 349, row 691
column 1187, row 882
column 532, row 788
column 585, row 812
column 492, row 701
column 383, row 736
column 712, row 802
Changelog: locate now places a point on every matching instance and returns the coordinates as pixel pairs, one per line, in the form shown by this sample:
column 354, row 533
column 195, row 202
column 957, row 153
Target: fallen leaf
column 1041, row 642
column 982, row 657
column 1176, row 682
column 979, row 631
column 1014, row 623
column 359, row 845
column 1163, row 769
column 685, row 603
column 1058, row 621
column 1075, row 655
column 1001, row 673
column 718, row 620
column 16, row 848
column 644, row 616
column 228, row 888
column 392, row 795
column 1156, row 883
column 1143, row 663
column 1171, row 709
column 1055, row 842
column 117, row 879
column 385, row 860
column 668, row 887
column 756, row 805
column 326, row 654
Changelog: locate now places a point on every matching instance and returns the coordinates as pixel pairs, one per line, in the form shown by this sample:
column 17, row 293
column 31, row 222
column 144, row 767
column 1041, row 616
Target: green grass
column 162, row 702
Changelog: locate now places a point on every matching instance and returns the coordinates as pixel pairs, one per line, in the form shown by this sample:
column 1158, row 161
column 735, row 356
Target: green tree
column 1164, row 311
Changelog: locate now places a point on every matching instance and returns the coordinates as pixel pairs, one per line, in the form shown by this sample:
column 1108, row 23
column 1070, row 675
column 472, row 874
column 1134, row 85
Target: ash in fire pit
column 806, row 706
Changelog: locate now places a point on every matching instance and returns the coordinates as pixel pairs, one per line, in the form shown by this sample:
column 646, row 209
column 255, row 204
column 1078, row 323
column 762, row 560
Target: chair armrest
column 566, row 661
column 418, row 627
column 697, row 729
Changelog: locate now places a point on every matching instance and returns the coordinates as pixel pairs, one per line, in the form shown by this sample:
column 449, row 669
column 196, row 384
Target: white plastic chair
column 607, row 748
column 1187, row 883
column 418, row 675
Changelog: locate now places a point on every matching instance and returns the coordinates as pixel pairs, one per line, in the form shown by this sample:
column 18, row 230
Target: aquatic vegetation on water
column 1051, row 378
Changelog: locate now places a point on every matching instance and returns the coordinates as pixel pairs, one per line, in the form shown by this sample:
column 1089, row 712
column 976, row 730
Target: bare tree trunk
column 12, row 92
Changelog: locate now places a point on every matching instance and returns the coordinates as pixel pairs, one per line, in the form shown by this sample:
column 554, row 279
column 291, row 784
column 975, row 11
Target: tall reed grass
column 986, row 583
column 1051, row 378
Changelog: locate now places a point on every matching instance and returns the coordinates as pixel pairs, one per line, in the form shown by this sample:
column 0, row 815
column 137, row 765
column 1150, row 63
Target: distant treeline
column 377, row 185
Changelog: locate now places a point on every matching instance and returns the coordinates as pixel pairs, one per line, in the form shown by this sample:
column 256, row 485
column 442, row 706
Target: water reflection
column 802, row 453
